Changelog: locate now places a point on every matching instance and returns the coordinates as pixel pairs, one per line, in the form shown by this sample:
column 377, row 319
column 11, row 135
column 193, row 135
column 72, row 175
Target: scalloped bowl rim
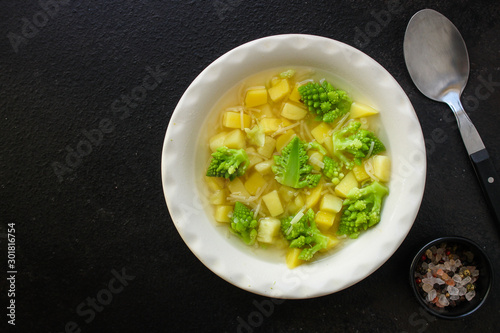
column 357, row 259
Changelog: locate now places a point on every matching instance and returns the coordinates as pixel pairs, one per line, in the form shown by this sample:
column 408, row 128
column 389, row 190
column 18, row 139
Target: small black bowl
column 482, row 285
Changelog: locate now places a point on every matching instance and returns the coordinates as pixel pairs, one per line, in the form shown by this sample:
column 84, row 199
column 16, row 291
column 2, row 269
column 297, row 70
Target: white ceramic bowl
column 184, row 159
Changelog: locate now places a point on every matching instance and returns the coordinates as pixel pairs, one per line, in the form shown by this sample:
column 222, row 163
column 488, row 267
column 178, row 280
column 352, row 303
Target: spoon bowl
column 438, row 63
column 436, row 55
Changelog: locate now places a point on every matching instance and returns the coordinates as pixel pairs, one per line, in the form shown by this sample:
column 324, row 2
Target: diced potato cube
column 275, row 80
column 314, row 196
column 266, row 111
column 295, row 95
column 222, row 213
column 236, row 186
column 267, row 149
column 346, row 184
column 328, row 143
column 320, row 132
column 382, row 167
column 287, row 193
column 270, row 125
column 255, row 97
column 299, row 201
column 254, row 183
column 218, row 197
column 235, row 139
column 332, row 242
column 234, row 120
column 324, row 220
column 269, row 228
column 331, row 203
column 293, row 112
column 292, row 258
column 359, row 110
column 360, row 173
column 283, row 139
column 264, row 167
column 273, row 203
column 280, row 90
column 214, row 183
column 217, row 141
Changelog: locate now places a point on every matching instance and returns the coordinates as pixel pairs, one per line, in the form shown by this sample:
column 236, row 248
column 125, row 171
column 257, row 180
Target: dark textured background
column 109, row 212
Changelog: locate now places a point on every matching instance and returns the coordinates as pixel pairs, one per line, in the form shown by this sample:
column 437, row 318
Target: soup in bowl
column 250, row 103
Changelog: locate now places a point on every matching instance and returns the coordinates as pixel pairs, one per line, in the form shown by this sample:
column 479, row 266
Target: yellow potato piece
column 222, row 213
column 283, row 139
column 273, row 203
column 360, row 173
column 235, row 139
column 331, row 203
column 293, row 112
column 267, row 149
column 269, row 228
column 324, row 220
column 254, row 183
column 346, row 184
column 295, row 95
column 270, row 125
column 218, row 197
column 236, row 186
column 279, row 91
column 292, row 258
column 320, row 132
column 314, row 196
column 264, row 167
column 256, row 97
column 382, row 167
column 214, row 183
column 217, row 141
column 234, row 120
column 359, row 110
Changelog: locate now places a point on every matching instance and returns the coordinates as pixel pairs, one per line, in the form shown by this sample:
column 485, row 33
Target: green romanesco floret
column 243, row 223
column 256, row 135
column 288, row 74
column 358, row 143
column 228, row 163
column 302, row 232
column 325, row 101
column 362, row 209
column 291, row 168
column 332, row 170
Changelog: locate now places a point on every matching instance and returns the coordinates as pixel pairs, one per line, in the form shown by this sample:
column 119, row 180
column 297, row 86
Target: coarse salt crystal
column 431, row 295
column 453, row 290
column 443, row 300
column 427, row 287
column 439, row 281
column 470, row 295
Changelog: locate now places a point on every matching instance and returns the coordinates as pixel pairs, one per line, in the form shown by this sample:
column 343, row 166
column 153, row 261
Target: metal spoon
column 438, row 62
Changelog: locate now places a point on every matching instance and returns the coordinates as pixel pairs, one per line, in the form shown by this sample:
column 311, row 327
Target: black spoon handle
column 489, row 180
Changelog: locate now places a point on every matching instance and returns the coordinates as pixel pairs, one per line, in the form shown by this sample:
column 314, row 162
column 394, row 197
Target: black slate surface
column 98, row 227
